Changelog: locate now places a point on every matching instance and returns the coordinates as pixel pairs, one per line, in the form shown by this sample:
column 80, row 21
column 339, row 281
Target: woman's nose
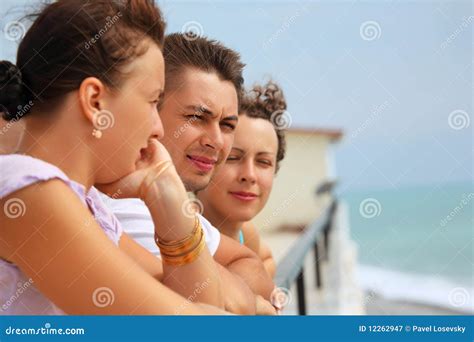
column 157, row 130
column 248, row 173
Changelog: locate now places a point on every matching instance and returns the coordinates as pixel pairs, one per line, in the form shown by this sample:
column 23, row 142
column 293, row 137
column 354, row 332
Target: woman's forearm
column 197, row 281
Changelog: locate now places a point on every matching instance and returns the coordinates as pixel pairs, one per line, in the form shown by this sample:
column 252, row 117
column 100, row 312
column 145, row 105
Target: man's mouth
column 202, row 163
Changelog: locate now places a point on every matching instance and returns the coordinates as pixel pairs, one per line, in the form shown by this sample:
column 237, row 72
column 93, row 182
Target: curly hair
column 267, row 102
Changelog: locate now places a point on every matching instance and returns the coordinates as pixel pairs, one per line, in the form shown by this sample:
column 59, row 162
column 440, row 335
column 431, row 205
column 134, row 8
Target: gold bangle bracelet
column 177, row 246
column 185, row 259
column 183, row 251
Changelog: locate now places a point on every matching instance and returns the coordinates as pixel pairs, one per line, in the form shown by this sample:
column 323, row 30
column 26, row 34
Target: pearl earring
column 97, row 133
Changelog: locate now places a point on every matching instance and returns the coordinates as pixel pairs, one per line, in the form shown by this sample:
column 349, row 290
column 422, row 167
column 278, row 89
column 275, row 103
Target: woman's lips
column 243, row 196
column 202, row 163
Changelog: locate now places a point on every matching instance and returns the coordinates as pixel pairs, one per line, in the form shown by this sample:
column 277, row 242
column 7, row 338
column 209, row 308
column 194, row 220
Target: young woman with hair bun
column 87, row 83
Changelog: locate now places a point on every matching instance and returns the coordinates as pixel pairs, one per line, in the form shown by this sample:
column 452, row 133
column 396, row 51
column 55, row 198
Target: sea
column 416, row 243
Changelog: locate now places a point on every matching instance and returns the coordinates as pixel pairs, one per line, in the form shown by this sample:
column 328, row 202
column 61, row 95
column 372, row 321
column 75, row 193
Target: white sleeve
column 212, row 234
column 137, row 222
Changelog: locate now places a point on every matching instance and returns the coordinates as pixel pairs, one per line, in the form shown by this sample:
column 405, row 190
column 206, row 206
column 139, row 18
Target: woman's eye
column 231, row 158
column 265, row 162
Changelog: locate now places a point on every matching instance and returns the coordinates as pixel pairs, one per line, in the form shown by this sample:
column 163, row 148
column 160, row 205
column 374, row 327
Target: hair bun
column 11, row 90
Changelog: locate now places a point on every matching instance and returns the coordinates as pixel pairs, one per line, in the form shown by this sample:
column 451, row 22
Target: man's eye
column 194, row 117
column 230, row 158
column 229, row 125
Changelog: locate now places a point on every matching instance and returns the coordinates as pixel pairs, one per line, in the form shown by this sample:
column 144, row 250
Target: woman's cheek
column 266, row 186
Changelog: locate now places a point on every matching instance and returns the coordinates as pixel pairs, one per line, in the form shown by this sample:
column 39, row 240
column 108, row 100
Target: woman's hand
column 129, row 185
column 163, row 192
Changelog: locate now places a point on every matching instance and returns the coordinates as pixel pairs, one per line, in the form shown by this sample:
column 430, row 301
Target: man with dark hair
column 200, row 108
column 199, row 112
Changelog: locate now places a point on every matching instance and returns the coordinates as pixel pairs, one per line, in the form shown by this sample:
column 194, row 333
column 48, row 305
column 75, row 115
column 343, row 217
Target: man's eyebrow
column 200, row 109
column 231, row 118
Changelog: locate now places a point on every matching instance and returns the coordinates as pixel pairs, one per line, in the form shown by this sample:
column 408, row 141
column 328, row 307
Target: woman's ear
column 91, row 95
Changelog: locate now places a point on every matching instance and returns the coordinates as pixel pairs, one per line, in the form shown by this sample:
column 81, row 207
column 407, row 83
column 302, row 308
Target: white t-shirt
column 136, row 221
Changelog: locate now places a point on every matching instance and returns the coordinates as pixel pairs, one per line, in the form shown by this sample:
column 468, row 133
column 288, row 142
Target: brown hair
column 267, row 102
column 189, row 50
column 71, row 40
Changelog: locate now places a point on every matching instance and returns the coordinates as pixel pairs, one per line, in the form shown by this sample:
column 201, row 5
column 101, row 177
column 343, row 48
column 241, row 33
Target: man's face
column 199, row 115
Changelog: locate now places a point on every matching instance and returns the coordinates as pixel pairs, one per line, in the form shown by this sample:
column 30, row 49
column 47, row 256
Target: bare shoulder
column 57, row 243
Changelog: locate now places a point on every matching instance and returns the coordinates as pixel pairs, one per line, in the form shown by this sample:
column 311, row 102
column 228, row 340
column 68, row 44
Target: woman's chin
column 242, row 214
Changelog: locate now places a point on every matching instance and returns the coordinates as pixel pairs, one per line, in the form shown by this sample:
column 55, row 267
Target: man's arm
column 241, row 261
column 238, row 297
column 190, row 284
column 266, row 255
column 253, row 241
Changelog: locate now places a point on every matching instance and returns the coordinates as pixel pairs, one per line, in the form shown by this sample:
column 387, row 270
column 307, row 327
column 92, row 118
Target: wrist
column 152, row 186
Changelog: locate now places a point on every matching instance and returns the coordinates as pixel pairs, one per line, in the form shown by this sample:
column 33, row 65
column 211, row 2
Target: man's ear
column 91, row 97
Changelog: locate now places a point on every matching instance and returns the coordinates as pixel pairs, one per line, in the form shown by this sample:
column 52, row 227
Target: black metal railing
column 291, row 268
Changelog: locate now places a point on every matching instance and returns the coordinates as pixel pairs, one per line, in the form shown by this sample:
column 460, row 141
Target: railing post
column 301, row 293
column 326, row 240
column 317, row 270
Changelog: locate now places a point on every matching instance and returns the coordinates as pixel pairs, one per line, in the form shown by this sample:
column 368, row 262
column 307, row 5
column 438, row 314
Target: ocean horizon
column 416, row 242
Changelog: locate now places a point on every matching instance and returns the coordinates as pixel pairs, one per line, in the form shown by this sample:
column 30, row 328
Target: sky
column 395, row 76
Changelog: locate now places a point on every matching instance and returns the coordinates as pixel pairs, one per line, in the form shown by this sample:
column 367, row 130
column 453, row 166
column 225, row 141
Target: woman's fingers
column 154, row 153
